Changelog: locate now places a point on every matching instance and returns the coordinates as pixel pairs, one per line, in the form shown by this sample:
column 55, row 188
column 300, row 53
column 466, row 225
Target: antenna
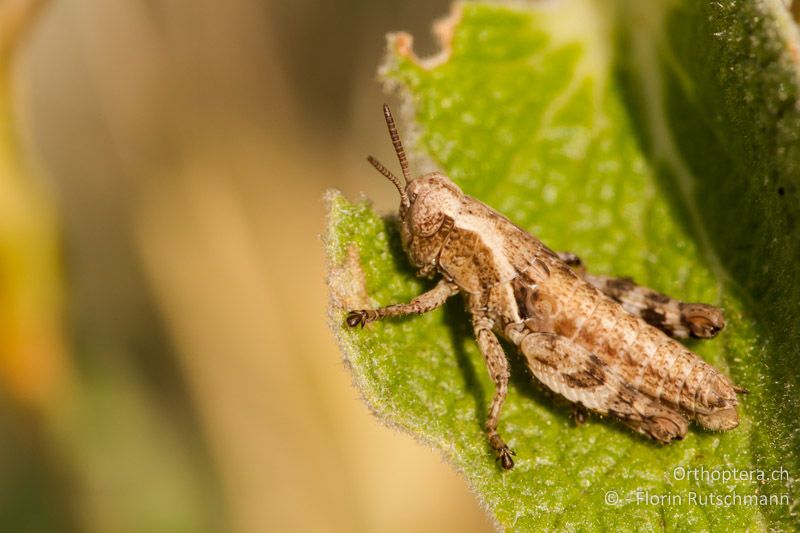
column 391, row 177
column 398, row 146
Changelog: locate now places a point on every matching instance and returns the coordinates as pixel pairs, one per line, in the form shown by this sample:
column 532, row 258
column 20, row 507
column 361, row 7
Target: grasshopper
column 605, row 344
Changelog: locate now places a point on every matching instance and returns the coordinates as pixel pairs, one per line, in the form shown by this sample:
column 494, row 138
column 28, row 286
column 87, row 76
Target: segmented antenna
column 391, row 177
column 398, row 146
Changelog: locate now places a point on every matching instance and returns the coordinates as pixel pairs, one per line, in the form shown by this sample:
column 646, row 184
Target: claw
column 501, row 449
column 504, row 456
column 355, row 318
column 704, row 321
column 579, row 413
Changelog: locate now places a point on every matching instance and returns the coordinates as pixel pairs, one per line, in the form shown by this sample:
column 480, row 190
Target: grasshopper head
column 432, row 198
column 425, row 203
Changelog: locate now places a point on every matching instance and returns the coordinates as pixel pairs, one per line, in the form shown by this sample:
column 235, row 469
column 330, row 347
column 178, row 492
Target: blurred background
column 165, row 360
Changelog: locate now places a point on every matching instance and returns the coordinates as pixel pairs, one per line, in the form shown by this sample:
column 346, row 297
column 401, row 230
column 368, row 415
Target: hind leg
column 675, row 318
column 581, row 377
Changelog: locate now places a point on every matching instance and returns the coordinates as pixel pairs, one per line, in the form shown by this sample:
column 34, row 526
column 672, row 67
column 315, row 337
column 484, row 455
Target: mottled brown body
column 599, row 342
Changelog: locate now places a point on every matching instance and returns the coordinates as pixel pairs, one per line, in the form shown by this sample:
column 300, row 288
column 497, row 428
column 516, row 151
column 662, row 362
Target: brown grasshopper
column 602, row 343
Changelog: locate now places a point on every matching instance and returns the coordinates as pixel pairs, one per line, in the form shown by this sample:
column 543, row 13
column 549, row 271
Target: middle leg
column 497, row 364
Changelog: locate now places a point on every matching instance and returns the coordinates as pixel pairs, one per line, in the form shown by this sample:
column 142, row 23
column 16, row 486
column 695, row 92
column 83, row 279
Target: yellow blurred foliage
column 32, row 359
column 184, row 148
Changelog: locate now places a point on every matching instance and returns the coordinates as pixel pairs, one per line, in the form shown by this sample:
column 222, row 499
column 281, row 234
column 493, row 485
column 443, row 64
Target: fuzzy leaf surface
column 553, row 117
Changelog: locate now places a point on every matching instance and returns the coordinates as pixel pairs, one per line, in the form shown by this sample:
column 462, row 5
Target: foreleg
column 674, row 317
column 427, row 301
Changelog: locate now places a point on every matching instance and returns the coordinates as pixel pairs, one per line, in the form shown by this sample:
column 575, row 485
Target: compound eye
column 426, row 215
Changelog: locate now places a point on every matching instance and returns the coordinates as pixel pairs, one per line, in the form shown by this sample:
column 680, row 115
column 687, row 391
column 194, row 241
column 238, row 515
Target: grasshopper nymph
column 605, row 344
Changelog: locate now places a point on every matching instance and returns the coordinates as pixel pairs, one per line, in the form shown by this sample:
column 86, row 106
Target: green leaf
column 643, row 141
